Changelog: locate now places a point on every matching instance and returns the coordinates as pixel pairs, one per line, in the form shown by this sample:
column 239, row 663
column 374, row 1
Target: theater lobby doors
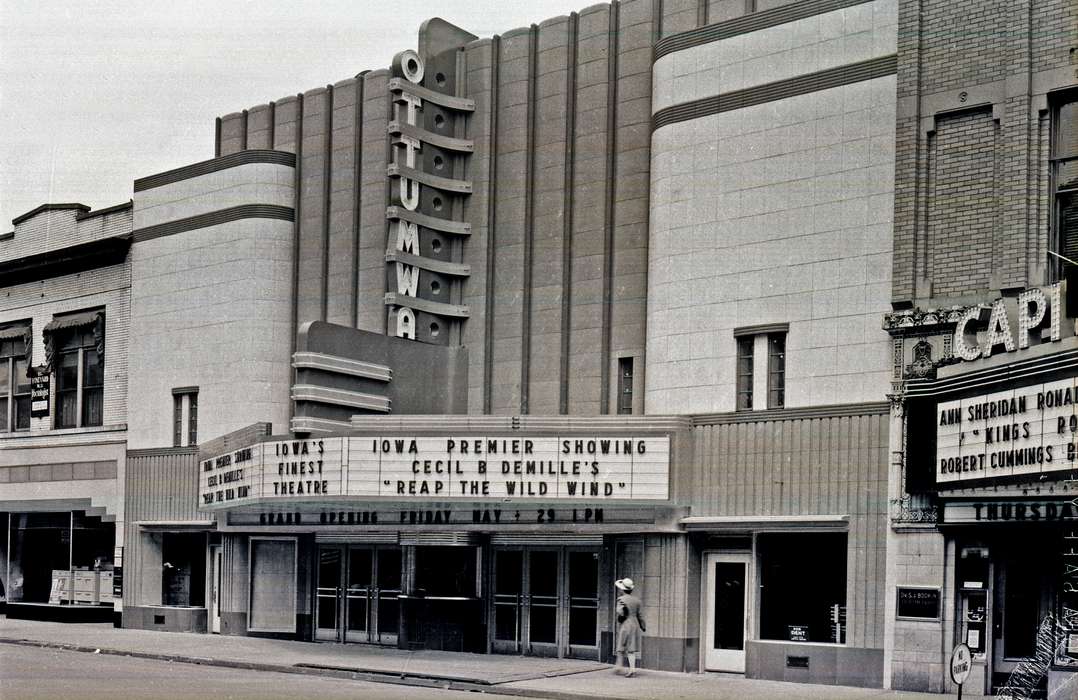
column 358, row 594
column 545, row 602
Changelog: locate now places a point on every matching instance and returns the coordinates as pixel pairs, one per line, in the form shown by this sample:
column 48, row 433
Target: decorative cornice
column 65, row 261
column 341, row 365
column 213, row 165
column 441, row 141
column 922, row 320
column 163, row 451
column 777, row 90
column 49, row 207
column 446, row 184
column 753, row 22
column 834, row 411
column 340, row 397
column 460, row 104
column 459, row 228
column 442, row 267
column 214, row 218
column 431, row 307
column 83, row 215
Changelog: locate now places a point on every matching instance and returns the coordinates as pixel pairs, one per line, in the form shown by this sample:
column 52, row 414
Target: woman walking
column 630, row 625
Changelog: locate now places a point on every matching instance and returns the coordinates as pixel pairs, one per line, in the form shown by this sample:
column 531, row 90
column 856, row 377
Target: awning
column 14, row 332
column 737, row 523
column 85, row 318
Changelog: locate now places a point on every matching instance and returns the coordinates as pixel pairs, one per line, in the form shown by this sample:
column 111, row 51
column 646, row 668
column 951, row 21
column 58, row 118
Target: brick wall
column 962, row 217
column 975, row 80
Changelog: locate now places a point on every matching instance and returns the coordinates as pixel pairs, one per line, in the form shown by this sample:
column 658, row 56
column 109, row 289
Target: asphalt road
column 34, row 673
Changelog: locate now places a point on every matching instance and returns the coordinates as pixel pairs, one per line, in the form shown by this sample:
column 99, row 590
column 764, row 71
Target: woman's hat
column 624, row 584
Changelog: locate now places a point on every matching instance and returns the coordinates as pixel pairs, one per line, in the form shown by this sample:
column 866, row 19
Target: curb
column 415, row 680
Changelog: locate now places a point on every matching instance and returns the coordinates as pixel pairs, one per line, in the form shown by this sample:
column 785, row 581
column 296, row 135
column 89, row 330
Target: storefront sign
column 1008, row 325
column 502, row 468
column 39, row 395
column 452, row 516
column 1010, row 511
column 1022, row 432
column 915, row 603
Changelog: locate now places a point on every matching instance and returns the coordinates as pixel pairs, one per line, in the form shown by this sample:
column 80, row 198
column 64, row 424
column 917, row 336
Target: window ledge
column 58, row 432
column 803, row 644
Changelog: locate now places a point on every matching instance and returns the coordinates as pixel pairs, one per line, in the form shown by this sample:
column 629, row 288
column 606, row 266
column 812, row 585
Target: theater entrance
column 359, row 587
column 545, row 602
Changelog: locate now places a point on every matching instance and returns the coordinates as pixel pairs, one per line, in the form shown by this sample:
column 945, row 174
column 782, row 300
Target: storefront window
column 446, row 572
column 44, row 549
column 183, row 569
column 803, row 587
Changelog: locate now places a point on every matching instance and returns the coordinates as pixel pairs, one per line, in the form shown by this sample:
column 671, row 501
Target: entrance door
column 1017, row 612
column 215, row 589
column 726, row 585
column 358, row 592
column 546, row 602
column 328, row 593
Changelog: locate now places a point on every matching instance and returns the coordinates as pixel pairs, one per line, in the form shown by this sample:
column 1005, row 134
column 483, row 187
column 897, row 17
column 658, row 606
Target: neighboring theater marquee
column 427, row 190
column 502, row 469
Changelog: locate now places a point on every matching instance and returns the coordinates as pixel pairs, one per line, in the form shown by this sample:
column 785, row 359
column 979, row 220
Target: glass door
column 543, row 595
column 726, row 616
column 386, row 609
column 583, row 603
column 358, row 594
column 508, row 600
column 1017, row 612
column 215, row 589
column 328, row 593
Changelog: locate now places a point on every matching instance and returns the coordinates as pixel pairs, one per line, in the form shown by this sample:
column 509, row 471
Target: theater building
column 981, row 543
column 429, row 356
column 64, row 318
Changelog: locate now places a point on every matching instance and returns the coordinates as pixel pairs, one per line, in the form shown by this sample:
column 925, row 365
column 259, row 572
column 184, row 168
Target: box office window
column 802, row 587
column 446, row 572
column 183, row 569
column 273, row 585
column 14, row 383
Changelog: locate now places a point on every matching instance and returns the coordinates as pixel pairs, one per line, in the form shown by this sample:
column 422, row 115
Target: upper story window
column 625, row 385
column 75, row 350
column 745, row 351
column 761, row 367
column 185, row 416
column 1064, row 162
column 14, row 382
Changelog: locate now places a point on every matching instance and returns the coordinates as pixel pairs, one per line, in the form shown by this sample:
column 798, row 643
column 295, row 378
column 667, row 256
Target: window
column 185, row 416
column 446, row 572
column 14, row 384
column 1064, row 163
column 273, row 564
column 625, row 385
column 75, row 345
column 776, row 370
column 183, row 569
column 745, row 351
column 803, row 587
column 761, row 367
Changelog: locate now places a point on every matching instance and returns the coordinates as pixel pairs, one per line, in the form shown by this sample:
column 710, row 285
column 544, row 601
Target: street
column 33, row 673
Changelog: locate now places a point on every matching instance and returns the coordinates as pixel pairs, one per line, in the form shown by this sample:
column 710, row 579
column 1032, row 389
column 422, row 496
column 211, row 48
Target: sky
column 94, row 94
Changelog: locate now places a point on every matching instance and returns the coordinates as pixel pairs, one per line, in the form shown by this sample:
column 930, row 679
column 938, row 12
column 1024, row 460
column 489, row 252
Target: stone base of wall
column 827, row 665
column 165, row 619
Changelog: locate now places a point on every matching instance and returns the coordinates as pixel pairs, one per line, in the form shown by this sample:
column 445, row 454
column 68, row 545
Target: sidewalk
column 562, row 679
